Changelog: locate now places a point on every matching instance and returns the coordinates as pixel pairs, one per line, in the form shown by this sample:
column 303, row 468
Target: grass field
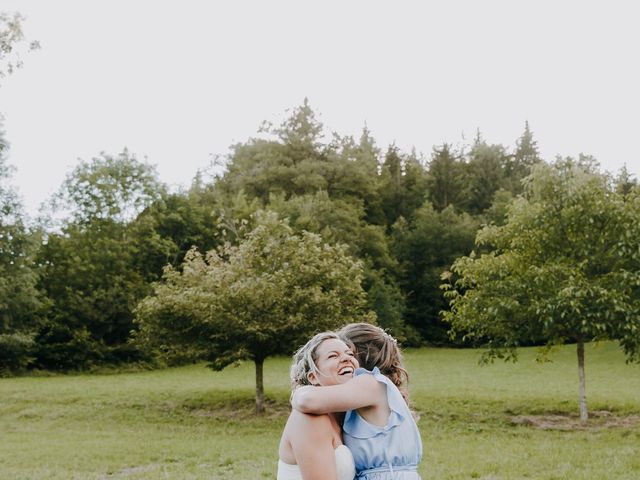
column 192, row 423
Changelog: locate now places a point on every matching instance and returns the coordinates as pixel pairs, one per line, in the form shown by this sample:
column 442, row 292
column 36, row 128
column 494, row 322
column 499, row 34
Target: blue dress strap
column 363, row 429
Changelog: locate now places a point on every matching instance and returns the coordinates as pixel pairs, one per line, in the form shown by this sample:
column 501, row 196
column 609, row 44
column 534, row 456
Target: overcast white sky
column 177, row 81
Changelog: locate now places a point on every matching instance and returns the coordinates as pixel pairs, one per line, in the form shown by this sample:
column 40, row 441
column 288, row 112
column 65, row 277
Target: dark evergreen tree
column 425, row 250
column 625, row 182
column 527, row 154
column 485, row 175
column 391, row 191
column 445, row 178
column 402, row 186
column 519, row 164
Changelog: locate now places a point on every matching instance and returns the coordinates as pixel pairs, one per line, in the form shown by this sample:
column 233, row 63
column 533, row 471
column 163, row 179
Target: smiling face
column 335, row 363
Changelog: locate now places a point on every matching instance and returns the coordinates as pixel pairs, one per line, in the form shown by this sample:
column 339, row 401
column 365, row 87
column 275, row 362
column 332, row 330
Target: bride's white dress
column 344, row 463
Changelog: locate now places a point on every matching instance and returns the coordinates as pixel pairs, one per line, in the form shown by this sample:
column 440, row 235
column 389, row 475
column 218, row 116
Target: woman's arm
column 362, row 391
column 312, row 444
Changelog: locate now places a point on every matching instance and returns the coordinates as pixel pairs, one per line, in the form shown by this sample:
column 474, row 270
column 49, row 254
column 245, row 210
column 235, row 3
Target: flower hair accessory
column 387, row 334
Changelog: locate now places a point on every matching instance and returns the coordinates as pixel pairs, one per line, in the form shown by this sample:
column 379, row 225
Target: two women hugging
column 350, row 416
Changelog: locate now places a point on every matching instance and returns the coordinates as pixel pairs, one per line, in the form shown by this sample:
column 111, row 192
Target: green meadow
column 502, row 421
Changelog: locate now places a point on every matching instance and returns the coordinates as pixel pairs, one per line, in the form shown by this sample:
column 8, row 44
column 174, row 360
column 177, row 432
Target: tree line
column 72, row 282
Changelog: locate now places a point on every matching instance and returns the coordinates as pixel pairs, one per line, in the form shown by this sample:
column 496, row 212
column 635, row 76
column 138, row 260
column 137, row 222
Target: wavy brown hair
column 376, row 348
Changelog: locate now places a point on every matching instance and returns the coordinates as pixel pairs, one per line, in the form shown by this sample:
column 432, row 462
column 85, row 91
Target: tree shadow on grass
column 598, row 420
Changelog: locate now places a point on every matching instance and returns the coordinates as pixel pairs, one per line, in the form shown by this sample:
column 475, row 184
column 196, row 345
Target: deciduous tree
column 90, row 267
column 20, row 301
column 564, row 268
column 260, row 298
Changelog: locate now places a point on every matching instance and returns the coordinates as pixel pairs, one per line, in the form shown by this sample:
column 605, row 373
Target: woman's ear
column 313, row 378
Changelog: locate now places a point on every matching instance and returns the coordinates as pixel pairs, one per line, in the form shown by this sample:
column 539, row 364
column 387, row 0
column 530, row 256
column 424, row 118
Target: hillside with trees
column 71, row 282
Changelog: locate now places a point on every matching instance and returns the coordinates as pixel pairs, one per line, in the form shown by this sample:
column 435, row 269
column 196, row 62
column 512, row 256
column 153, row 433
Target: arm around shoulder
column 362, row 391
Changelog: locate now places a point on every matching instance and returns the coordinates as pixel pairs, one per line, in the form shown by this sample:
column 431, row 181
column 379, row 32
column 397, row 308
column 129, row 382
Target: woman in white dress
column 311, row 446
column 378, row 427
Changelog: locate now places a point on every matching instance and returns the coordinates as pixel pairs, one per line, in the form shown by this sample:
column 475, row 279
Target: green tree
column 388, row 301
column 625, row 182
column 351, row 172
column 341, row 220
column 89, row 277
column 525, row 157
column 497, row 212
column 108, row 188
column 333, row 189
column 250, row 301
column 565, row 267
column 485, row 174
column 90, row 267
column 21, row 303
column 402, row 185
column 291, row 160
column 425, row 248
column 366, row 156
column 168, row 228
column 445, row 178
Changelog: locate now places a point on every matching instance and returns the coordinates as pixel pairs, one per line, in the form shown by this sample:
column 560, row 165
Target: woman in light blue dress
column 378, row 427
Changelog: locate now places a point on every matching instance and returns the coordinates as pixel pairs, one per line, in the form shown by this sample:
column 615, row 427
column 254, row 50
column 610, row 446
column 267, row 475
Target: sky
column 179, row 82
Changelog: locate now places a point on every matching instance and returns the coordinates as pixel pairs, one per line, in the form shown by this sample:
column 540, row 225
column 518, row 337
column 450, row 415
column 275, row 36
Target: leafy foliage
column 73, row 282
column 445, row 178
column 565, row 267
column 108, row 188
column 253, row 300
column 11, row 36
column 425, row 249
column 16, row 352
column 20, row 302
column 90, row 270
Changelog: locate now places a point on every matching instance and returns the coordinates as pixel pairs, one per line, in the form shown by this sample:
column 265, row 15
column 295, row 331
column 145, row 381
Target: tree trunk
column 584, row 414
column 259, row 386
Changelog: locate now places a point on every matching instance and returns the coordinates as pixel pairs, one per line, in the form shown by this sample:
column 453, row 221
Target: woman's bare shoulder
column 303, row 423
column 320, row 421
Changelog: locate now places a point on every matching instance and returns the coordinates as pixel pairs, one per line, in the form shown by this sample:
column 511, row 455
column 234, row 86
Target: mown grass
column 192, row 423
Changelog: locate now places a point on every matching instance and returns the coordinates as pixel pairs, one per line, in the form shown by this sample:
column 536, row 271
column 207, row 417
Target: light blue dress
column 392, row 452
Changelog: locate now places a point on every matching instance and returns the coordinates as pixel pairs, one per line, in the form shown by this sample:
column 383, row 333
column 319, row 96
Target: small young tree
column 260, row 298
column 564, row 268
